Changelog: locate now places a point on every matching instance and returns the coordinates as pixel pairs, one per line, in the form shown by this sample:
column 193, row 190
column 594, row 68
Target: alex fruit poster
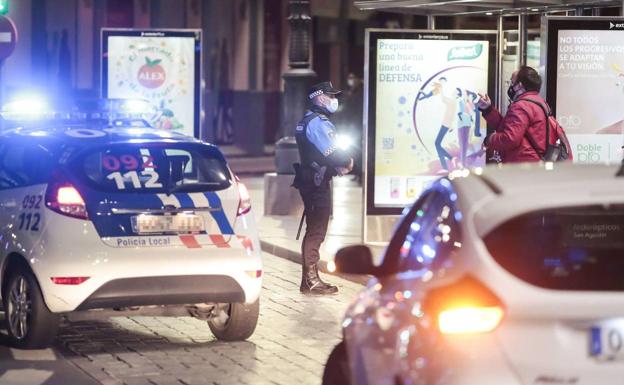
column 426, row 121
column 159, row 69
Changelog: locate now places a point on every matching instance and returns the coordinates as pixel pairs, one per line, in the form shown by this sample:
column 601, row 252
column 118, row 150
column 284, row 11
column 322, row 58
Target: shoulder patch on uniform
column 329, row 151
column 299, row 127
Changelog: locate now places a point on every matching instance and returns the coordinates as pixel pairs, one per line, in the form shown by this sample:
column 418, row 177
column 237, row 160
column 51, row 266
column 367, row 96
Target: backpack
column 561, row 150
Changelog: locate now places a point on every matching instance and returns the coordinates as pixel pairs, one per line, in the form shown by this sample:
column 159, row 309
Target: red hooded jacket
column 510, row 137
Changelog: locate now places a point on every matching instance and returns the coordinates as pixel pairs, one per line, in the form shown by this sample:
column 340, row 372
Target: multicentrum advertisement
column 589, row 80
column 162, row 67
column 425, row 123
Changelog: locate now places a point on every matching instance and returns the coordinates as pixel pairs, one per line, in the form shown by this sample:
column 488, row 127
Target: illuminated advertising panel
column 422, row 120
column 585, row 65
column 162, row 67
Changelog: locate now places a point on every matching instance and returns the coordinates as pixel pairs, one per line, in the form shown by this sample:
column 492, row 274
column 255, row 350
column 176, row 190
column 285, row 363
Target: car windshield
column 156, row 167
column 576, row 248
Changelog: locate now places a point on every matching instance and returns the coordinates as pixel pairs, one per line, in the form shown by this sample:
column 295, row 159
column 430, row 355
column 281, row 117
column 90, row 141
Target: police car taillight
column 244, row 204
column 65, row 199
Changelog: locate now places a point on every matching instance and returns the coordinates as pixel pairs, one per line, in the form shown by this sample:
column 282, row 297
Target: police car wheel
column 337, row 367
column 235, row 321
column 30, row 324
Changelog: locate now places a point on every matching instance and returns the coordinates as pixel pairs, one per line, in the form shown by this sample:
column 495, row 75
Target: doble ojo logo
column 588, row 153
column 151, row 74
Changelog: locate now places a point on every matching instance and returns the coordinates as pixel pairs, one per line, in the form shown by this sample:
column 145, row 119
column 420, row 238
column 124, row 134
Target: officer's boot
column 311, row 283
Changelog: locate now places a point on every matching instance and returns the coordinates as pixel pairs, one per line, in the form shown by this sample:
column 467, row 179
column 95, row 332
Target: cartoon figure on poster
column 459, row 114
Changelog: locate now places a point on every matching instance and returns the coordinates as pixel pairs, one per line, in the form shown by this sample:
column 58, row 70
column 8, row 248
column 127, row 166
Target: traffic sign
column 8, row 37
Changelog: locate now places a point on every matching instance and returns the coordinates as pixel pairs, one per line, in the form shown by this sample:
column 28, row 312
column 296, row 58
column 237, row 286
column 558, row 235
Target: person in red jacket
column 523, row 119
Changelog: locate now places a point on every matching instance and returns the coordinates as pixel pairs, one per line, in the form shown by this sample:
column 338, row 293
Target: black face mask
column 511, row 92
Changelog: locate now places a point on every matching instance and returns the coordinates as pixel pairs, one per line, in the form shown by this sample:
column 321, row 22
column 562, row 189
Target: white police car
column 509, row 276
column 127, row 218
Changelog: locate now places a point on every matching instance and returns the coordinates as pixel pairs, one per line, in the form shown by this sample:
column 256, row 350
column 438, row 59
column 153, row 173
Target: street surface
column 295, row 335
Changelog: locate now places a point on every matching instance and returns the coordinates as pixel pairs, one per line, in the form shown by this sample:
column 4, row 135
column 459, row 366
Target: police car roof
column 85, row 134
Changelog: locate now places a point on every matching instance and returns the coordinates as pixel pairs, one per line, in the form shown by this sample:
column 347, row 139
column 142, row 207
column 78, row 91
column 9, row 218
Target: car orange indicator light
column 465, row 306
column 470, row 319
column 68, row 280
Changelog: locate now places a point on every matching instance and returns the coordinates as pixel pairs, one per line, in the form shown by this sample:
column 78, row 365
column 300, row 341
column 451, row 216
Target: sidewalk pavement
column 243, row 164
column 278, row 233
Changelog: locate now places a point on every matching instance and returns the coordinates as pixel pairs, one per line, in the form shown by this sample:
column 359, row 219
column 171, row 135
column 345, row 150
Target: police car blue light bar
column 28, row 107
column 113, row 112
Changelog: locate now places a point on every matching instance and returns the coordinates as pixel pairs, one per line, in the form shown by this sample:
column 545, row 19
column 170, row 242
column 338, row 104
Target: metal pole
column 499, row 63
column 431, row 21
column 254, row 30
column 343, row 28
column 578, row 11
column 522, row 38
column 1, row 94
column 596, row 12
column 297, row 80
column 1, row 83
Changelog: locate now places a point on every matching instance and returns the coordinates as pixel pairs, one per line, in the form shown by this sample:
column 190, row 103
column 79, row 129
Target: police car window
column 155, row 168
column 24, row 165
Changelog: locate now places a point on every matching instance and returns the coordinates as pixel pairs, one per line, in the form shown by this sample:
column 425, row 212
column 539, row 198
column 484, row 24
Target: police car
column 127, row 218
column 509, row 276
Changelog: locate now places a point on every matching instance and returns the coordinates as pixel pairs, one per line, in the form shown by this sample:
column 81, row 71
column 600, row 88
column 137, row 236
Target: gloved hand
column 345, row 170
column 484, row 103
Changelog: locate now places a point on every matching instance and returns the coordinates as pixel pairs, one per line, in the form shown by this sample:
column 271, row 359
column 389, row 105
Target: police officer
column 320, row 161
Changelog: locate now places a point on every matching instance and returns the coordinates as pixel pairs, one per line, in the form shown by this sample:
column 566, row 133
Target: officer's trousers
column 317, row 205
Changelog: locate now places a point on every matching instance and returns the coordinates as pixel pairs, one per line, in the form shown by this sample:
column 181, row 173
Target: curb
column 295, row 256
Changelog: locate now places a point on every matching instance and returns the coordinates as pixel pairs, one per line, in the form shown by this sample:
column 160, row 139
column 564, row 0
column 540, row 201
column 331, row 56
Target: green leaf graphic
column 152, row 63
column 478, row 50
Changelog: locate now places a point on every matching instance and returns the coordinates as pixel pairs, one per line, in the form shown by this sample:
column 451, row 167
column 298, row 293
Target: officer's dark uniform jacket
column 316, row 139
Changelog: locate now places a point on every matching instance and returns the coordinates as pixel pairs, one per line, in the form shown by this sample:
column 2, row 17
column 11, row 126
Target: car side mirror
column 356, row 259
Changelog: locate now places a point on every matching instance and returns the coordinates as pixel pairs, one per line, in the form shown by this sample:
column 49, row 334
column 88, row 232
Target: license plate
column 158, row 224
column 607, row 341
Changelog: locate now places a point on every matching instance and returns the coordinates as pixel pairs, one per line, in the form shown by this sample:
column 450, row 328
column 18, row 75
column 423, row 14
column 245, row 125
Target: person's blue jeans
column 443, row 155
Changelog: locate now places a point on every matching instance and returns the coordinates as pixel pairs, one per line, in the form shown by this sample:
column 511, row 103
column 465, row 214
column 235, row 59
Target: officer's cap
column 323, row 88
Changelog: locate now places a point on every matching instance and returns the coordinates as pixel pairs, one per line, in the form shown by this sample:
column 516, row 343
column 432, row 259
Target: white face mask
column 351, row 82
column 332, row 106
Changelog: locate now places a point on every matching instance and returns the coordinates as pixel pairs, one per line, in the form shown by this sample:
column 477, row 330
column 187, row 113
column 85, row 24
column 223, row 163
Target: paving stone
column 295, row 334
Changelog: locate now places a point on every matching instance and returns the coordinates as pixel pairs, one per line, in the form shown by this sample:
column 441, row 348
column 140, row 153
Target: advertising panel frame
column 196, row 34
column 378, row 222
column 550, row 26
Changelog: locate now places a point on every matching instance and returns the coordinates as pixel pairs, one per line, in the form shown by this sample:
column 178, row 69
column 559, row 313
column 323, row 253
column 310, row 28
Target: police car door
column 25, row 169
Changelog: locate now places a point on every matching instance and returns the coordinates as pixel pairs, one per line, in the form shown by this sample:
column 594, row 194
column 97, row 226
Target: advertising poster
column 160, row 67
column 590, row 92
column 426, row 121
